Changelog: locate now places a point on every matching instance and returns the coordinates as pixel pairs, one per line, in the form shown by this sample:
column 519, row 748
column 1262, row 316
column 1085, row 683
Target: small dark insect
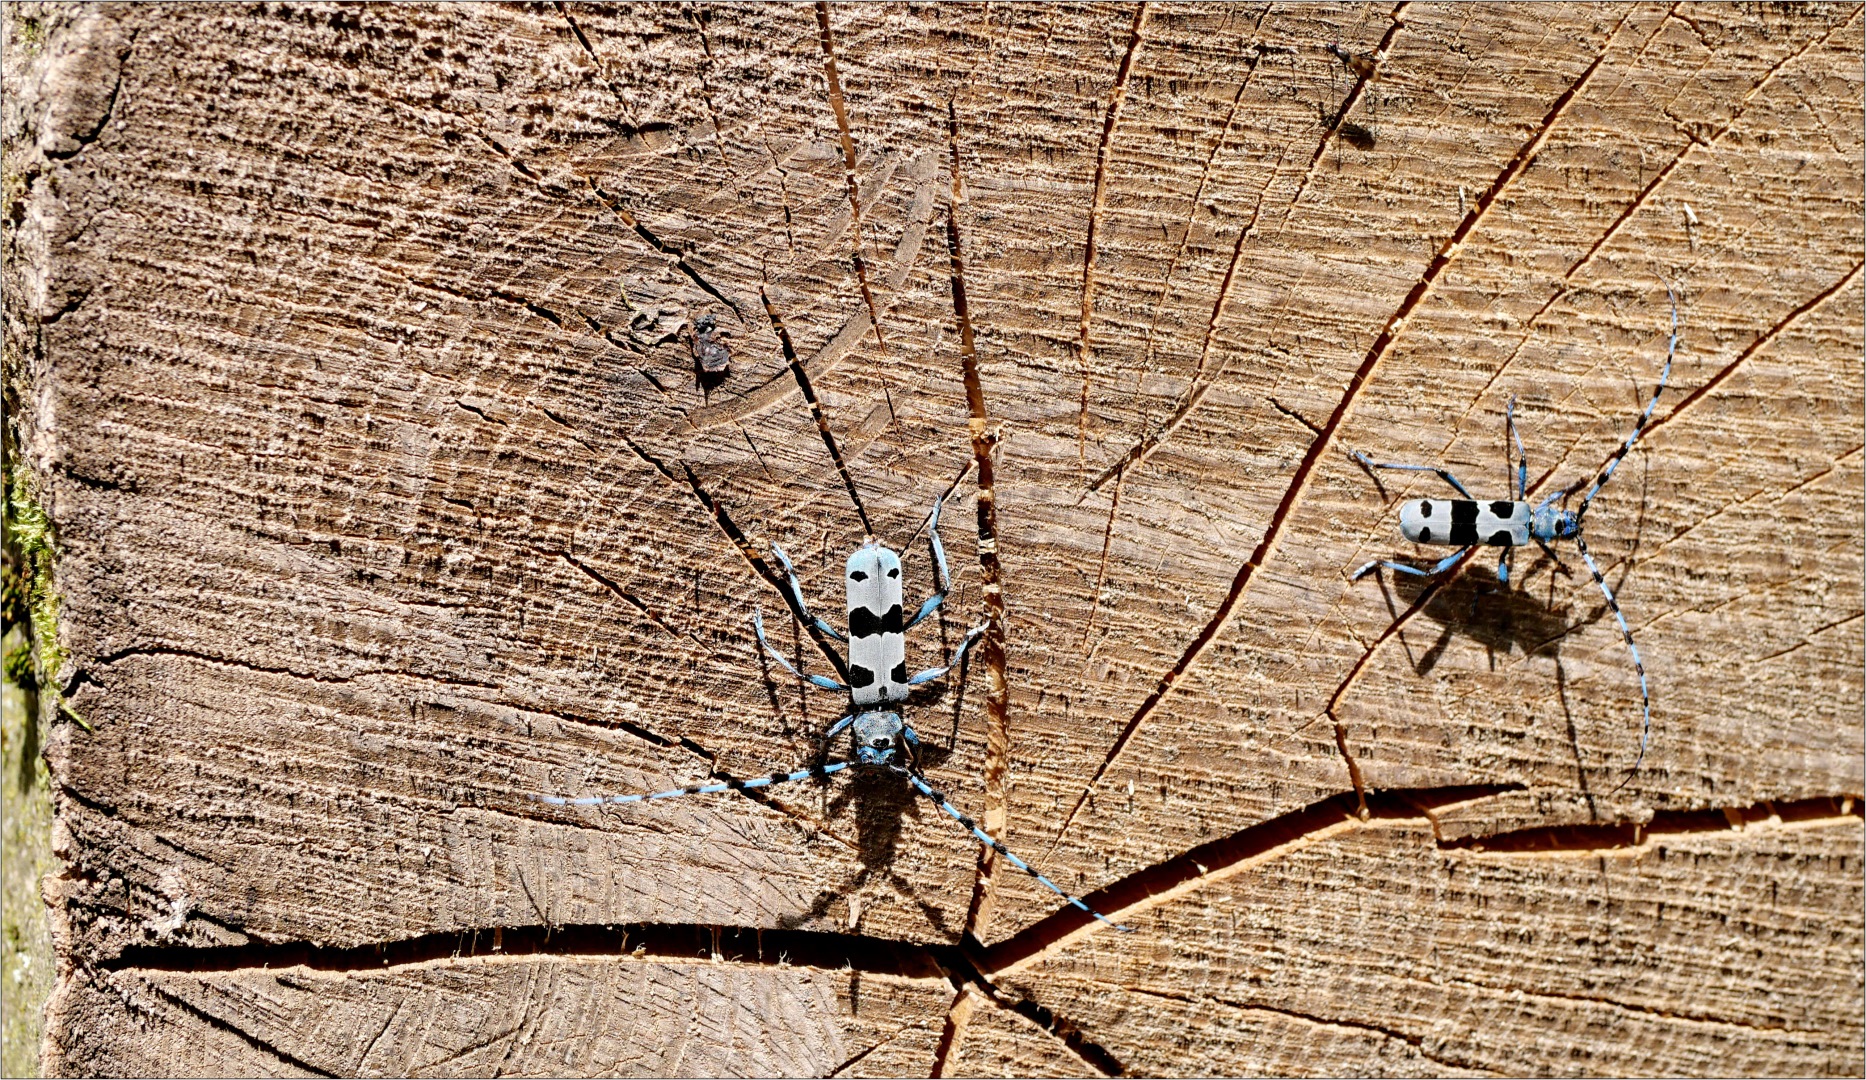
column 712, row 357
column 1357, row 136
column 1359, row 64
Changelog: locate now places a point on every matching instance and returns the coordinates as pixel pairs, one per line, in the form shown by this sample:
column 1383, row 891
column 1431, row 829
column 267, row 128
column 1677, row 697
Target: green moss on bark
column 30, row 659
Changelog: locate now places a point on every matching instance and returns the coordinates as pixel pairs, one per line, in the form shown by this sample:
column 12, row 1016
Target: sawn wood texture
column 347, row 348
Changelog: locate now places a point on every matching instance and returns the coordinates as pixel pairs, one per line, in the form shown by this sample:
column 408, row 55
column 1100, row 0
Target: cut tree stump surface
column 348, row 349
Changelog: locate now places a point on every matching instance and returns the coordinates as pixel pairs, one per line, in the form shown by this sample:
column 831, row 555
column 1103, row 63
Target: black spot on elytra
column 1425, row 507
column 1503, row 509
column 899, row 674
column 1463, row 521
column 1425, row 535
column 864, row 623
column 895, row 572
column 1501, row 538
column 860, row 676
column 857, row 575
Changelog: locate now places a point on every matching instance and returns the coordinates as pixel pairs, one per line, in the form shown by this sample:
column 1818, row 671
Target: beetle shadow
column 1574, row 739
column 1476, row 606
column 880, row 801
column 1522, row 618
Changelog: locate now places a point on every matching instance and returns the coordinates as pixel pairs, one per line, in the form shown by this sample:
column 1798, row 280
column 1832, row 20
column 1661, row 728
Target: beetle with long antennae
column 1512, row 523
column 878, row 685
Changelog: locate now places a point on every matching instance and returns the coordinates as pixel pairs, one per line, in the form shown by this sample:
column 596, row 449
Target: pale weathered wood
column 345, row 351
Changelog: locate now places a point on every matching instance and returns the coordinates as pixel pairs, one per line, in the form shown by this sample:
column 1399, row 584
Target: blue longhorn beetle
column 1513, row 523
column 878, row 685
